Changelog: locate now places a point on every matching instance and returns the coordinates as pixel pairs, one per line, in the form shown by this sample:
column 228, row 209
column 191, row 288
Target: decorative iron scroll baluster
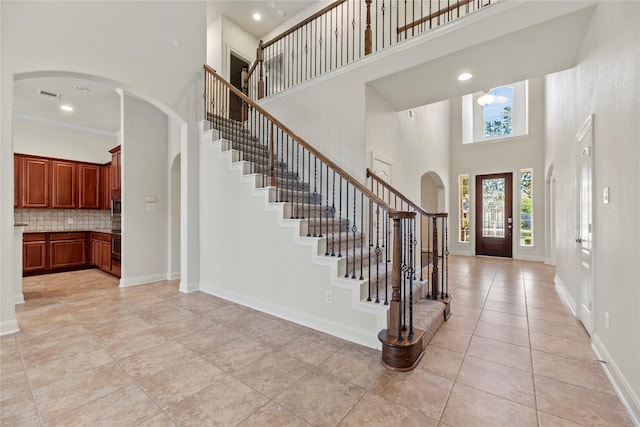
column 340, row 219
column 411, row 277
column 378, row 259
column 346, row 274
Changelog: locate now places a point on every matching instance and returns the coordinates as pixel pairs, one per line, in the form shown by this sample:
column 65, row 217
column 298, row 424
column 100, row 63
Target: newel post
column 260, row 59
column 395, row 318
column 367, row 32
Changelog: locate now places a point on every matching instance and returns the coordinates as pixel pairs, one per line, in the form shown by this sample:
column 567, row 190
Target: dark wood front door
column 494, row 218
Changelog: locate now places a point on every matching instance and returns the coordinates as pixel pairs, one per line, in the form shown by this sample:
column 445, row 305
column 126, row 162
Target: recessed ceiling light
column 465, row 76
column 257, row 16
column 82, row 89
column 67, row 108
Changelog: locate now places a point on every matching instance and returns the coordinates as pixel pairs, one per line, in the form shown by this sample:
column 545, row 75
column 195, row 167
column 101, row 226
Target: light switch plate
column 605, row 195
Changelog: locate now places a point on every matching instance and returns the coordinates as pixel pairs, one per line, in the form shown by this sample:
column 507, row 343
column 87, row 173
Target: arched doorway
column 432, row 199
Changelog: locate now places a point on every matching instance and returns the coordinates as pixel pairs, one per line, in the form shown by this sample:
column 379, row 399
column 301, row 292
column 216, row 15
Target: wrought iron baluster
column 387, row 259
column 362, row 236
column 320, row 200
column 411, row 277
column 354, row 228
column 340, row 219
column 370, row 232
column 333, row 215
column 346, row 274
column 378, row 256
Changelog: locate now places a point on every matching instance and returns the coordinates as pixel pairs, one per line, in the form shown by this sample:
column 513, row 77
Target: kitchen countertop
column 94, row 230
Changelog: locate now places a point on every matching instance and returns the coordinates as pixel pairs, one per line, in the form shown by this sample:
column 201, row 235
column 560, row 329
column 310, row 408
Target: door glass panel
column 493, row 215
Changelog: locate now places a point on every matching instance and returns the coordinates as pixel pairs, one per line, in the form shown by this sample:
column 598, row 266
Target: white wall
column 214, row 45
column 507, row 155
column 128, row 43
column 605, row 83
column 242, row 249
column 416, row 146
column 41, row 139
column 145, row 236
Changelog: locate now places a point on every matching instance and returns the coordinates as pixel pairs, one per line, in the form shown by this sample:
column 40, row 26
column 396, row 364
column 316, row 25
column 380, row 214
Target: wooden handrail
column 393, row 213
column 429, row 17
column 303, row 23
column 371, row 174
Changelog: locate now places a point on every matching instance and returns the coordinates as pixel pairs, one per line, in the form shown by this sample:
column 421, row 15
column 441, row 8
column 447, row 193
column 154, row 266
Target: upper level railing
column 432, row 237
column 369, row 236
column 341, row 33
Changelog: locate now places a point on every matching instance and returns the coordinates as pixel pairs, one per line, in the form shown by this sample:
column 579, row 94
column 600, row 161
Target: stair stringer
column 301, row 291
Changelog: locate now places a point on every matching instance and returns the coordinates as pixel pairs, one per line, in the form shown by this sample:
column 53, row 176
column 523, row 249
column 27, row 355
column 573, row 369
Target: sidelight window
column 526, row 207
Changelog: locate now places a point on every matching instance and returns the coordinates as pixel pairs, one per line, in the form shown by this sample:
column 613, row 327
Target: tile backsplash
column 62, row 219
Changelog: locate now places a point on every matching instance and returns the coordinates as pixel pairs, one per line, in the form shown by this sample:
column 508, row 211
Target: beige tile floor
column 90, row 353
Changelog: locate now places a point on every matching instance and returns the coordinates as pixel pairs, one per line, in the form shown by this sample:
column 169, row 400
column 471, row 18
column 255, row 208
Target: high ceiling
column 273, row 12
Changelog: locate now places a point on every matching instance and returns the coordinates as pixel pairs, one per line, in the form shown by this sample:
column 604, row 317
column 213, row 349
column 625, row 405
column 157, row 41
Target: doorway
column 494, row 215
column 584, row 232
column 236, row 65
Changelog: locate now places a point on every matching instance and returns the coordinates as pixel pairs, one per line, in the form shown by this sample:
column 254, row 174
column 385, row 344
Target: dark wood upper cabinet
column 116, row 170
column 105, row 192
column 64, row 176
column 17, row 181
column 89, row 186
column 35, row 182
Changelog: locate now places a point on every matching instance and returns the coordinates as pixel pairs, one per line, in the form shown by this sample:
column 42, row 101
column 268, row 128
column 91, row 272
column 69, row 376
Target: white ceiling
column 274, row 13
column 97, row 110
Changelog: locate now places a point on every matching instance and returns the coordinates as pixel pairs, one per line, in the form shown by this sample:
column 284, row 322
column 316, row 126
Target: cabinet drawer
column 34, row 237
column 74, row 235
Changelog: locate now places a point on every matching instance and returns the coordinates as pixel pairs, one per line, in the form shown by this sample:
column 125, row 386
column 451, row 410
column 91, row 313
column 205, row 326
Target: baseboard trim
column 173, row 276
column 18, row 298
column 142, row 280
column 565, row 295
column 362, row 337
column 535, row 258
column 185, row 288
column 620, row 384
column 9, row 327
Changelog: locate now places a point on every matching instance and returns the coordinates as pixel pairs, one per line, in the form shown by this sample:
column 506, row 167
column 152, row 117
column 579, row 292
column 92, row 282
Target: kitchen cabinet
column 64, row 184
column 17, row 175
column 101, row 251
column 105, row 184
column 116, row 171
column 34, row 252
column 35, row 182
column 89, row 186
column 67, row 250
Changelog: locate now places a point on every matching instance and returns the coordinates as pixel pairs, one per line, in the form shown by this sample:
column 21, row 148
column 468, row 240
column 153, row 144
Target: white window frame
column 473, row 115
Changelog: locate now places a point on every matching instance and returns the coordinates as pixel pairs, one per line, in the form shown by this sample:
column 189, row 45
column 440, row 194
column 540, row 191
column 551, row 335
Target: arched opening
column 432, row 199
column 119, row 115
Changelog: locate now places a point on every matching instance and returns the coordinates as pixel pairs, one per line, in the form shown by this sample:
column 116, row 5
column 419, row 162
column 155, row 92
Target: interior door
column 494, row 217
column 584, row 234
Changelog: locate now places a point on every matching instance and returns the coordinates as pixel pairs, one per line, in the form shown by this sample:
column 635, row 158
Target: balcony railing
column 344, row 32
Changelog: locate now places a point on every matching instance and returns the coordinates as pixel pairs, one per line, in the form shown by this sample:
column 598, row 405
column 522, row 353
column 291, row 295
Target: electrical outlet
column 607, row 320
column 328, row 297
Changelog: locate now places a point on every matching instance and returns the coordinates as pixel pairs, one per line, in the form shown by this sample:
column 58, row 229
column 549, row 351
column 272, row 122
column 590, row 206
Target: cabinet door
column 105, row 184
column 35, row 183
column 34, row 256
column 64, row 184
column 88, row 186
column 116, row 169
column 67, row 253
column 106, row 255
column 17, row 181
column 96, row 252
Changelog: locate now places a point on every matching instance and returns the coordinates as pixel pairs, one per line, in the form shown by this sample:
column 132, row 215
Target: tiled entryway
column 90, row 353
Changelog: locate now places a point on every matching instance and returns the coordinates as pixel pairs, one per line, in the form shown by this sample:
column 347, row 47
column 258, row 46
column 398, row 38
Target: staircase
column 351, row 245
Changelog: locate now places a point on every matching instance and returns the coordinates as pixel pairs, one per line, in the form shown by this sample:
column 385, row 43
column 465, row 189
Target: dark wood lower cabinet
column 67, row 250
column 34, row 252
column 60, row 251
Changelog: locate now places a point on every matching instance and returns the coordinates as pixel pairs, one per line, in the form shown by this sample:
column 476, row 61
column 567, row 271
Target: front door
column 494, row 219
column 584, row 234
